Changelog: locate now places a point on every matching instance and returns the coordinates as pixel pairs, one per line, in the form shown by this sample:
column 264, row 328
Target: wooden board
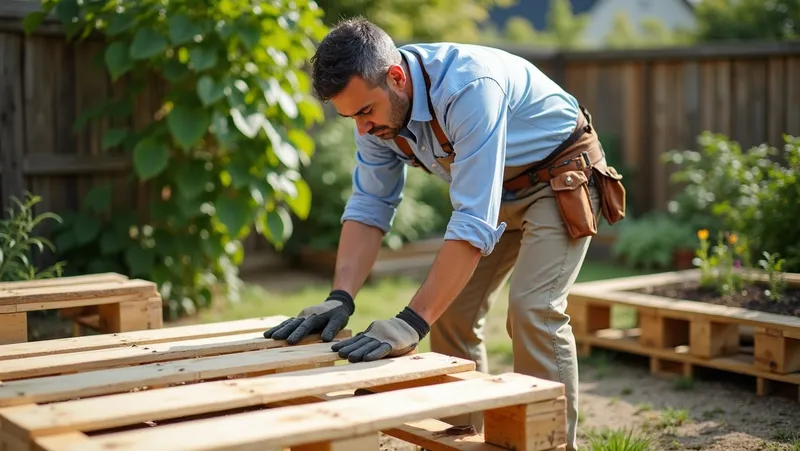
column 249, row 392
column 119, row 303
column 686, row 332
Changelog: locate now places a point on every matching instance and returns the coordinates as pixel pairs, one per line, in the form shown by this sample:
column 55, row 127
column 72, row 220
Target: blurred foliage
column 425, row 20
column 651, row 33
column 777, row 20
column 424, row 210
column 223, row 150
column 18, row 242
column 753, row 192
column 650, row 241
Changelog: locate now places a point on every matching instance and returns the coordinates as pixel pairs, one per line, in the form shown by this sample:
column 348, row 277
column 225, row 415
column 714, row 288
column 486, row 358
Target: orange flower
column 702, row 234
column 733, row 238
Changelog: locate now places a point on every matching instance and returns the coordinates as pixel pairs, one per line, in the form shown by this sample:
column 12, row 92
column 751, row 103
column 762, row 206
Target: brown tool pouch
column 612, row 192
column 571, row 190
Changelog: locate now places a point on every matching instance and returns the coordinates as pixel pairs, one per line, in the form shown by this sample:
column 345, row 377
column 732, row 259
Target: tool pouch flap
column 612, row 192
column 571, row 190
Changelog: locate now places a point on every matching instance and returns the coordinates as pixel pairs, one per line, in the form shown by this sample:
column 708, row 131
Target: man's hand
column 329, row 318
column 392, row 337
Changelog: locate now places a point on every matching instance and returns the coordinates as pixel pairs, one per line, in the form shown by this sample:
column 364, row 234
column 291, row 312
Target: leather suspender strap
column 447, row 146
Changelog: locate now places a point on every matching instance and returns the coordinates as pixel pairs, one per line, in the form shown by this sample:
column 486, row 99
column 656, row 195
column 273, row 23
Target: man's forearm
column 451, row 270
column 359, row 245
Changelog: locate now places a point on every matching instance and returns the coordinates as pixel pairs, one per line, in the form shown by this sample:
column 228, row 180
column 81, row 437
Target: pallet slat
column 174, row 402
column 135, row 354
column 96, row 290
column 338, row 419
column 139, row 338
column 102, row 382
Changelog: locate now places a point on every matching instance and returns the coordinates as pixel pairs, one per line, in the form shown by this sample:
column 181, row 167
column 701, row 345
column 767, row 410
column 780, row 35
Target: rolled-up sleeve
column 378, row 180
column 476, row 124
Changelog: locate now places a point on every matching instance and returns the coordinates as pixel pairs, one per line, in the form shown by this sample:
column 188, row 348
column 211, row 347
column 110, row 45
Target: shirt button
column 423, row 148
column 435, row 165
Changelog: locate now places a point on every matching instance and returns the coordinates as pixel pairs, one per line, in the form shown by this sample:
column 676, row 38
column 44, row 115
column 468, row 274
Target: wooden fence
column 642, row 102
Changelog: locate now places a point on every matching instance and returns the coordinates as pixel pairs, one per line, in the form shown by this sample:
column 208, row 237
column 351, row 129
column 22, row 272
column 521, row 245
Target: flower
column 702, row 234
column 733, row 238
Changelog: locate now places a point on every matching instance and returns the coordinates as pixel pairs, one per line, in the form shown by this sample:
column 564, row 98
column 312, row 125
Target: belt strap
column 447, row 146
column 546, row 169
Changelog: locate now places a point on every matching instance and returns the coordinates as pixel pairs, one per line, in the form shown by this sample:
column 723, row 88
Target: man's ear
column 396, row 76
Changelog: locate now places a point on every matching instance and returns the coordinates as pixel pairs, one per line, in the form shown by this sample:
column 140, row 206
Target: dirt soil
column 715, row 411
column 751, row 297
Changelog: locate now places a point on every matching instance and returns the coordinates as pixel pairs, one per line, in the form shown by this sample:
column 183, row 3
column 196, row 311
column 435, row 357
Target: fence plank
column 12, row 132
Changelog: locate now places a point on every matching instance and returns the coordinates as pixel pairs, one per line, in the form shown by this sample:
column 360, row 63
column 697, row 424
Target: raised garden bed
column 680, row 325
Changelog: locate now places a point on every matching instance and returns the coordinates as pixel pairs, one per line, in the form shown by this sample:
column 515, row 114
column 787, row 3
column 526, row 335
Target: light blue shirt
column 496, row 108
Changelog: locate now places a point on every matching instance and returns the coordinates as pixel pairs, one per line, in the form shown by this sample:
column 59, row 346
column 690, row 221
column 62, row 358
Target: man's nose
column 364, row 126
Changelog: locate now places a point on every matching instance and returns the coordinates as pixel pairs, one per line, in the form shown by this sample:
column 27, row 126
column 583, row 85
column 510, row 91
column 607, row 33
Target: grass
column 385, row 299
column 617, row 440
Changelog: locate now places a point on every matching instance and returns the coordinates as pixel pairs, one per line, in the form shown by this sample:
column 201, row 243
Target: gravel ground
column 716, row 412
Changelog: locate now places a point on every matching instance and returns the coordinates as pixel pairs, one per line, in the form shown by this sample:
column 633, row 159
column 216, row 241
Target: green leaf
column 150, row 158
column 147, row 43
column 249, row 125
column 249, row 34
column 114, row 137
column 112, row 242
column 98, row 198
column 139, row 260
column 174, row 70
column 279, row 227
column 32, row 21
column 233, row 213
column 67, row 11
column 191, row 178
column 203, row 57
column 181, row 29
column 120, row 22
column 208, row 90
column 188, row 124
column 86, row 228
column 118, row 59
column 301, row 203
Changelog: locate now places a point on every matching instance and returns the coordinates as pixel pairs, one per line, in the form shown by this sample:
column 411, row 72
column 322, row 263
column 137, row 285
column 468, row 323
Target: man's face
column 381, row 111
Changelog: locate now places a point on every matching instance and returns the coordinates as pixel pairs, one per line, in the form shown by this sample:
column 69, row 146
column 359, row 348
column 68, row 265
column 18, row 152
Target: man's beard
column 398, row 119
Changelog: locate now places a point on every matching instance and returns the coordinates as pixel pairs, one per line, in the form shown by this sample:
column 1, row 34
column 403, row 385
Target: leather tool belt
column 568, row 170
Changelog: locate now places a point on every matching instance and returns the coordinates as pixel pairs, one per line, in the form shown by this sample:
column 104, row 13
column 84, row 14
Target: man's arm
column 476, row 125
column 378, row 180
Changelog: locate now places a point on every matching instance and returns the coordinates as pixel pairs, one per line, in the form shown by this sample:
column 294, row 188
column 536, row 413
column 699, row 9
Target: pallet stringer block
column 710, row 339
column 13, row 328
column 532, row 427
column 587, row 318
column 775, row 352
column 662, row 332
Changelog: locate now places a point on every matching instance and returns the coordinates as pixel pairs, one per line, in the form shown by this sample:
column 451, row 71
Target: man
column 518, row 154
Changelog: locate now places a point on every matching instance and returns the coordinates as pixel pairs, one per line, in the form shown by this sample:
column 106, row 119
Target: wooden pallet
column 107, row 302
column 224, row 387
column 679, row 335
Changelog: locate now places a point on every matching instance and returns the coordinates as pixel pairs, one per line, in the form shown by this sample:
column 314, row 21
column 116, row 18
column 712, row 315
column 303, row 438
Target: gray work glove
column 392, row 337
column 327, row 318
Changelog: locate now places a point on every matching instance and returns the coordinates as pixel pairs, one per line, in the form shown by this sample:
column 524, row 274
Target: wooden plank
column 535, row 426
column 63, row 281
column 136, row 355
column 79, row 292
column 138, row 338
column 434, row 435
column 117, row 380
column 366, row 442
column 13, row 328
column 792, row 96
column 75, row 165
column 776, row 353
column 175, row 402
column 333, row 420
column 626, row 341
column 132, row 315
column 12, row 131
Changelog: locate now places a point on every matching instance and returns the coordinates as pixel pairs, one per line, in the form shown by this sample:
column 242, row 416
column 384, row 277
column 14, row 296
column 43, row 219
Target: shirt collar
column 419, row 107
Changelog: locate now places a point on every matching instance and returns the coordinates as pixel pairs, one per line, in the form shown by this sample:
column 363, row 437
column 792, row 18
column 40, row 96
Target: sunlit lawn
column 383, row 300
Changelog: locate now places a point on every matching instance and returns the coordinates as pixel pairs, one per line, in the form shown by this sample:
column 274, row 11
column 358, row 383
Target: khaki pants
column 545, row 263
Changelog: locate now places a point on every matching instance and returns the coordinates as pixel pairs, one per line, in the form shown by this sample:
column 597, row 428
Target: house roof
column 535, row 11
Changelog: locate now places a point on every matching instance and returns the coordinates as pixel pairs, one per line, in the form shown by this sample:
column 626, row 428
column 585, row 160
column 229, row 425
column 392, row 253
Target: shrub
column 754, row 193
column 18, row 242
column 223, row 150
